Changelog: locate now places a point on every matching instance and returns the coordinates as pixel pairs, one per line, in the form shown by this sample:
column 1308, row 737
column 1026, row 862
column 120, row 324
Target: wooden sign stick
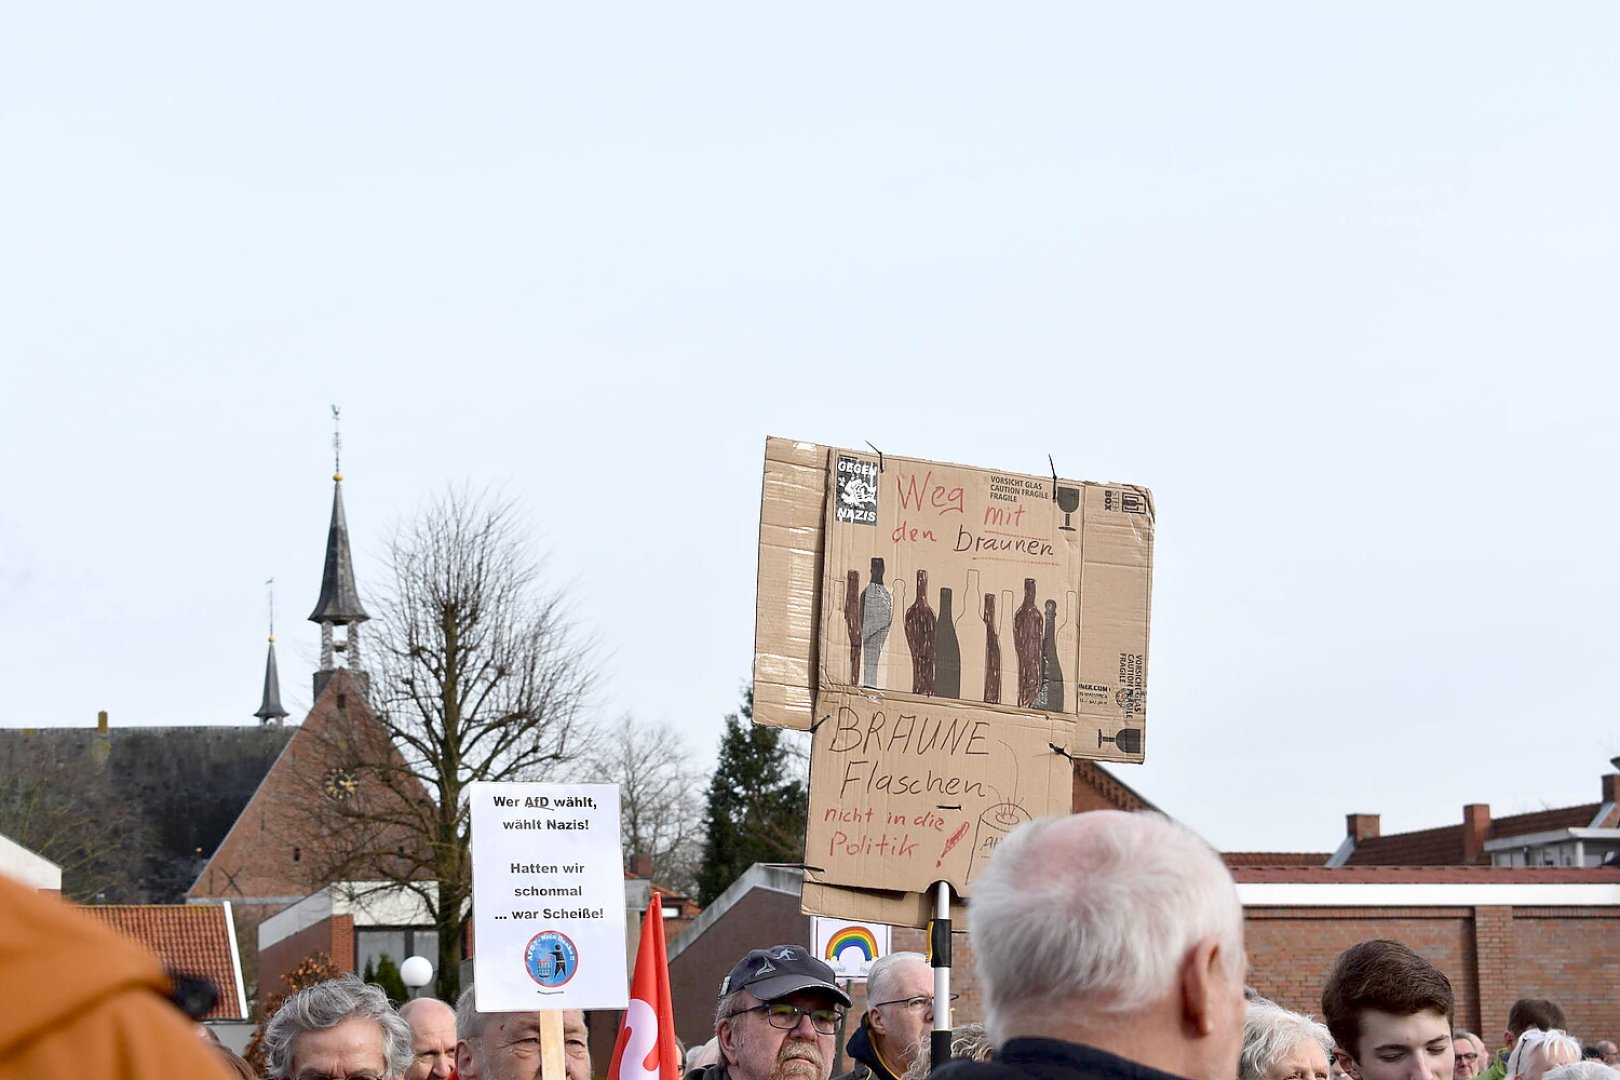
column 551, row 1045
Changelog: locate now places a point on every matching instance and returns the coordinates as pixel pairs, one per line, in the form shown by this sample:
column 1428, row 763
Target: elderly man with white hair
column 1109, row 946
column 900, row 1007
column 341, row 1029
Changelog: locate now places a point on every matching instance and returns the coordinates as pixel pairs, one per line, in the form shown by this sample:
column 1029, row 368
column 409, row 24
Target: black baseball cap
column 779, row 971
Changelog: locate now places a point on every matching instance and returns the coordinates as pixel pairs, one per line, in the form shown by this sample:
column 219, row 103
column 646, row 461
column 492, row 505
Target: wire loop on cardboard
column 1053, row 464
column 1056, row 749
column 878, row 452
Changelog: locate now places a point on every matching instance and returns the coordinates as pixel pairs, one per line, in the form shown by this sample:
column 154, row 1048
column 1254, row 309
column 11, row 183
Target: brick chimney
column 642, row 866
column 1611, row 784
column 1476, row 830
column 1361, row 826
column 101, row 742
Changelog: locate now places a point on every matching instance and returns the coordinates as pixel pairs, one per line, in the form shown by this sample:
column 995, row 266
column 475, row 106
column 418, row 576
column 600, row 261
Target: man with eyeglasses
column 1468, row 1052
column 779, row 1010
column 341, row 1029
column 900, row 992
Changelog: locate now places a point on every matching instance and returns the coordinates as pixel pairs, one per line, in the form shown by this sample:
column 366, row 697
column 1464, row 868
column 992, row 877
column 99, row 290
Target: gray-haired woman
column 1282, row 1045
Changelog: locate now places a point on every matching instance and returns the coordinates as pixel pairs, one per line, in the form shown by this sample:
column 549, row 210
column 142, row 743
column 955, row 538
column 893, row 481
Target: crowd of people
column 1109, row 946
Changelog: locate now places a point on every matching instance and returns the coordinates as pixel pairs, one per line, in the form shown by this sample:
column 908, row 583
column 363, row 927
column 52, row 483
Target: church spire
column 270, row 713
column 339, row 603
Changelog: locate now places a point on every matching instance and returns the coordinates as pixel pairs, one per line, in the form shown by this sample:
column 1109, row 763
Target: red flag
column 646, row 1046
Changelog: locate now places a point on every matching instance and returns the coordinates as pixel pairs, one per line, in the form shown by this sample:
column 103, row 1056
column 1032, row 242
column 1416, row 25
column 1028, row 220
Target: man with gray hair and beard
column 900, row 1007
column 343, row 1029
column 779, row 1010
column 1109, row 947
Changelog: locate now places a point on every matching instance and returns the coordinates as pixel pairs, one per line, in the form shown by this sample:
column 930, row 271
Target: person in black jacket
column 1109, row 947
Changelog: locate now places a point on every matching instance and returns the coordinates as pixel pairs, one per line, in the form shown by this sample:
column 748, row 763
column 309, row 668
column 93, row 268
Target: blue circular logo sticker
column 550, row 958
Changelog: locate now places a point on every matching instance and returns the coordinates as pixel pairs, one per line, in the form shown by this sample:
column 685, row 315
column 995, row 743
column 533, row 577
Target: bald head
column 433, row 1038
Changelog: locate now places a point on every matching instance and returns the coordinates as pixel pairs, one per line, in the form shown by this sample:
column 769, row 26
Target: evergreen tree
column 756, row 803
column 389, row 979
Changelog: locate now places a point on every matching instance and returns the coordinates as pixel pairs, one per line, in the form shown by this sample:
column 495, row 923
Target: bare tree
column 478, row 674
column 58, row 799
column 660, row 798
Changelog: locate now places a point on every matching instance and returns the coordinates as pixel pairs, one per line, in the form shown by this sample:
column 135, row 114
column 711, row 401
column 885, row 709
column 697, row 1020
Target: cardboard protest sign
column 916, row 578
column 949, row 606
column 548, row 897
column 907, row 794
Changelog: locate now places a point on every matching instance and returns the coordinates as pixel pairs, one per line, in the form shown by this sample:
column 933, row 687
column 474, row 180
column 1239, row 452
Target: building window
column 398, row 943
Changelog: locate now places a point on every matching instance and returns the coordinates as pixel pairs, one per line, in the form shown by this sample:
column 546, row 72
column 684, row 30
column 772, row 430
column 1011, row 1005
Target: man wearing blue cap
column 778, row 1013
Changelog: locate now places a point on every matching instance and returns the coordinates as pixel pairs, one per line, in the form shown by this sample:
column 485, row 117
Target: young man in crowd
column 1390, row 1012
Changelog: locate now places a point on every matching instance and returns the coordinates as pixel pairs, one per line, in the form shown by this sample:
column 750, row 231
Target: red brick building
column 1499, row 932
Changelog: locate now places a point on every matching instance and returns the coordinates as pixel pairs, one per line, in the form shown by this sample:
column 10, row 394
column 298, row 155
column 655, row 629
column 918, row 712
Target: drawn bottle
column 1050, row 695
column 921, row 623
column 947, row 651
column 877, row 612
column 852, row 623
column 992, row 652
column 1027, row 629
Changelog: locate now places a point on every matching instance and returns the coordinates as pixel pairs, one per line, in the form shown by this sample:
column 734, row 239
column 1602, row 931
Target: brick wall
column 1492, row 955
column 333, row 936
column 1291, row 949
column 1571, row 955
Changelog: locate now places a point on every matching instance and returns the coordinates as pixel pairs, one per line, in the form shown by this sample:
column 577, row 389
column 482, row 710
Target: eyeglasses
column 329, row 1076
column 921, row 1002
column 779, row 1014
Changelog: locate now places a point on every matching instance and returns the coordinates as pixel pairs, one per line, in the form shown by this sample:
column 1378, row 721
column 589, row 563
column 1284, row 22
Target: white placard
column 849, row 947
column 548, row 897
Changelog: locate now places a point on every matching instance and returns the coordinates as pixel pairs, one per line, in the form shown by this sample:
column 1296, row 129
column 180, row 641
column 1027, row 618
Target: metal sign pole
column 939, row 955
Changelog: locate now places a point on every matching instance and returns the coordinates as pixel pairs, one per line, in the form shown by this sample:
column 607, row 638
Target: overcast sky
column 1337, row 282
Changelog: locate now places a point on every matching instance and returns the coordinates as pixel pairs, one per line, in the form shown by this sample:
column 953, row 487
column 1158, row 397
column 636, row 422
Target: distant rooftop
column 190, row 939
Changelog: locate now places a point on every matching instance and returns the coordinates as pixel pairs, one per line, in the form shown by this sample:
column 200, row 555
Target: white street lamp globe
column 416, row 972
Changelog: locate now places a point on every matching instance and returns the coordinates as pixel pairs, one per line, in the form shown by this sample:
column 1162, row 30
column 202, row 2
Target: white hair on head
column 1582, row 1070
column 884, row 976
column 1103, row 914
column 1271, row 1033
column 1557, row 1048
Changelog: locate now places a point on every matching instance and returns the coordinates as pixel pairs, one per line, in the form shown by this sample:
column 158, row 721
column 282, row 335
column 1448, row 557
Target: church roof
column 340, row 599
column 131, row 813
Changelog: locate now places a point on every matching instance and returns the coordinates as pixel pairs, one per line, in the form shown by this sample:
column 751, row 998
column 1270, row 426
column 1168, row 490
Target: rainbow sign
column 849, row 948
column 853, row 937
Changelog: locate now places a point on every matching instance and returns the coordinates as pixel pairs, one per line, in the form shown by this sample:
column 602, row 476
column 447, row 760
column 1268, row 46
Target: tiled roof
column 190, row 939
column 1431, row 875
column 1566, row 817
column 1426, row 847
column 1110, row 786
column 1444, row 846
column 1274, row 858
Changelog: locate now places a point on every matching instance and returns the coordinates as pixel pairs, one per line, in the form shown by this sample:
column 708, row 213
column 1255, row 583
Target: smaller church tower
column 339, row 604
column 270, row 713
